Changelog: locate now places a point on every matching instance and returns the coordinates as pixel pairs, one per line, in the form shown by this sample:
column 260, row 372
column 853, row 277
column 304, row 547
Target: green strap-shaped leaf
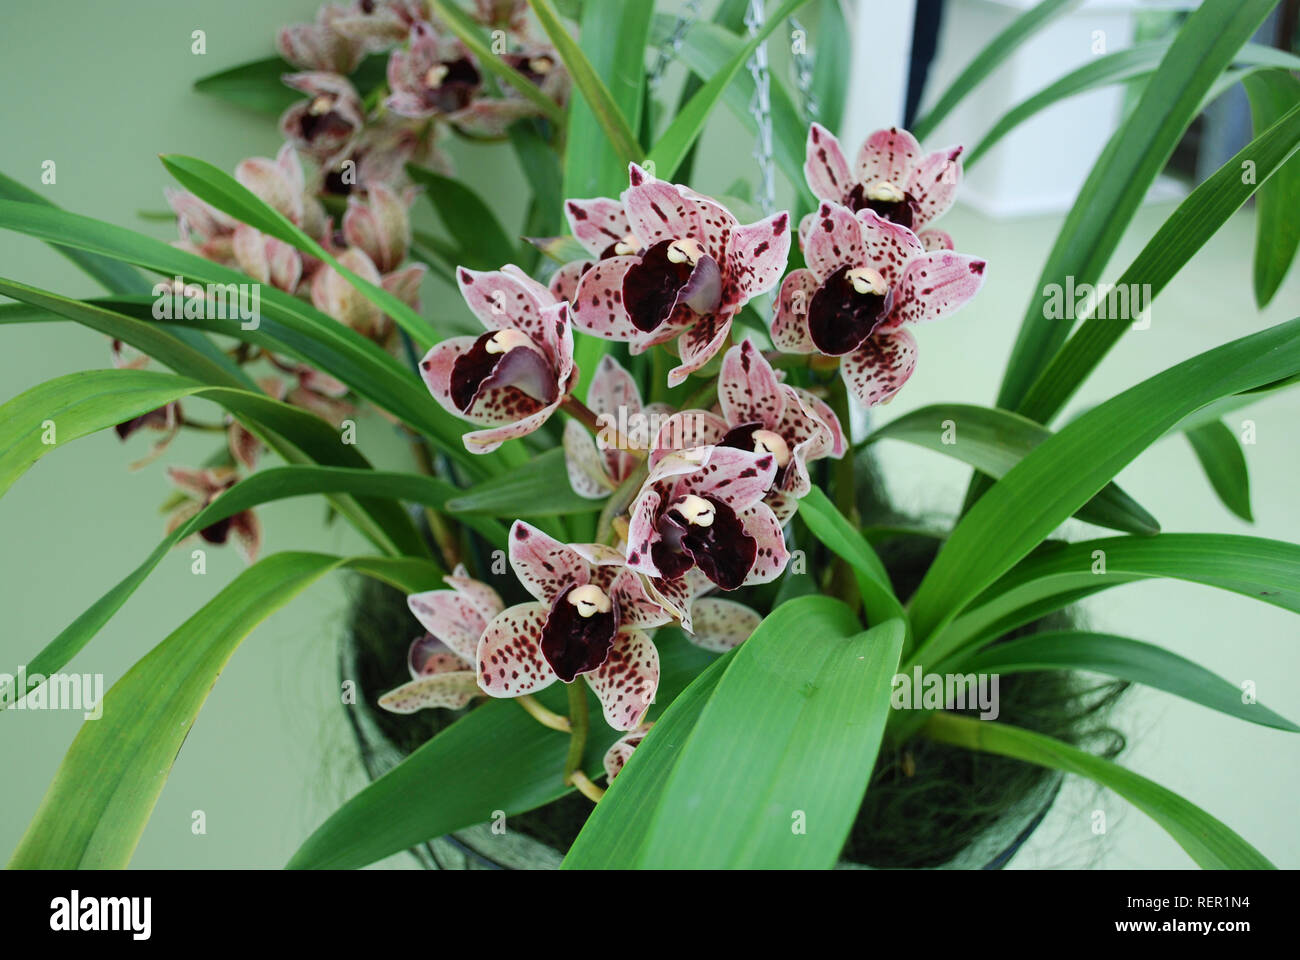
column 1059, row 574
column 1124, row 659
column 834, row 530
column 228, row 195
column 1224, row 463
column 989, row 59
column 787, row 740
column 540, row 488
column 613, row 835
column 1070, row 467
column 1273, row 95
column 633, row 19
column 993, row 441
column 286, row 323
column 496, row 758
column 1210, row 843
column 254, row 86
column 676, row 141
column 471, row 34
column 77, row 404
column 468, row 219
column 1136, row 153
column 96, row 808
column 265, row 486
column 1197, row 219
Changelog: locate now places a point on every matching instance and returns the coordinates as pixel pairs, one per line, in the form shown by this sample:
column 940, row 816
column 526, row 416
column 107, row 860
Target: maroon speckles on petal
column 510, row 661
column 627, row 682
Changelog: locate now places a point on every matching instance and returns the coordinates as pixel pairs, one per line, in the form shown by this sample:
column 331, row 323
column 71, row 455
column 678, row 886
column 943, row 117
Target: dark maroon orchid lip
column 742, row 438
column 325, row 125
column 461, row 81
column 902, row 212
column 655, row 287
column 480, row 369
column 840, row 319
column 573, row 643
column 723, row 551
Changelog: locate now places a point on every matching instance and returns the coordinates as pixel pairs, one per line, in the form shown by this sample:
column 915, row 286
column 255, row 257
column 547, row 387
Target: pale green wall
column 102, row 88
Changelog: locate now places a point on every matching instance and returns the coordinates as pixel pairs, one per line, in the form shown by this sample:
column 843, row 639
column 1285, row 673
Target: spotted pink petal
column 486, row 441
column 790, row 323
column 620, row 751
column 585, row 463
column 698, row 345
column 820, row 409
column 738, row 478
column 934, row 183
column 613, row 389
column 657, row 210
column 598, row 302
column 935, row 285
column 678, row 596
column 597, row 223
column 641, row 532
column 436, row 366
column 720, row 625
column 450, row 618
column 452, row 690
column 825, row 167
column 502, row 300
column 509, row 660
column 427, row 656
column 544, row 565
column 686, row 430
column 757, row 254
column 483, row 598
column 748, row 390
column 834, row 240
column 716, row 223
column 636, row 608
column 888, row 155
column 564, row 282
column 933, row 239
column 878, row 369
column 555, row 337
column 772, row 556
column 889, row 246
column 626, row 682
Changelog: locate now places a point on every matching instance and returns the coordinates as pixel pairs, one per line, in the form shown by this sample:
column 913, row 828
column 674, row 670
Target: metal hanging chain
column 761, row 108
column 803, row 71
column 669, row 49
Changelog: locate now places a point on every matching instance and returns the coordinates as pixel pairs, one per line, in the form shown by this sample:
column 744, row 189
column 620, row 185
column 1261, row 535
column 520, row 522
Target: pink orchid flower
column 441, row 661
column 760, row 413
column 589, row 620
column 201, row 488
column 692, row 270
column 891, row 177
column 334, row 294
column 380, row 225
column 512, row 378
column 437, row 77
column 702, row 510
column 598, row 465
column 326, row 126
column 601, row 226
column 866, row 279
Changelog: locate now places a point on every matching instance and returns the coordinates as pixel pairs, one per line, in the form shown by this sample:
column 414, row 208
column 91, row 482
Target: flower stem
column 842, row 582
column 579, row 721
column 546, row 718
column 586, row 787
column 584, row 415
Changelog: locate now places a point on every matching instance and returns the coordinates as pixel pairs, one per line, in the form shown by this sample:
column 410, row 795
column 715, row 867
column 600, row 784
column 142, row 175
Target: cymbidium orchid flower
column 601, row 226
column 380, row 225
column 702, row 510
column 892, row 177
column 620, row 750
column 598, row 465
column 326, row 126
column 512, row 378
column 334, row 294
column 866, row 279
column 688, row 268
column 442, row 661
column 589, row 620
column 201, row 487
column 760, row 413
column 437, row 77
column 324, row 45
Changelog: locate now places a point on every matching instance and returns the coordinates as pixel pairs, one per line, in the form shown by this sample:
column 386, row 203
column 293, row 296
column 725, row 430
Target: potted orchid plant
column 637, row 600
